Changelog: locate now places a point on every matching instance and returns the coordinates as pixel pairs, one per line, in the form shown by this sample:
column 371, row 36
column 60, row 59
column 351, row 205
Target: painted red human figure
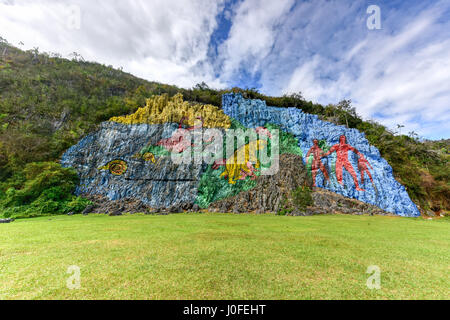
column 317, row 164
column 362, row 167
column 342, row 149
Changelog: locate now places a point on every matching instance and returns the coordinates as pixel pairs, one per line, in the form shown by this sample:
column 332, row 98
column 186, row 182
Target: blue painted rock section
column 160, row 185
column 384, row 192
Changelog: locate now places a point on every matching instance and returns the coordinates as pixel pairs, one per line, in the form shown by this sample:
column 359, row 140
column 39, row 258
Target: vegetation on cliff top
column 48, row 103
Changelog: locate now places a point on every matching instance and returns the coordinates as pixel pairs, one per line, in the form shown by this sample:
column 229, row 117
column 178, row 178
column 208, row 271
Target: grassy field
column 223, row 256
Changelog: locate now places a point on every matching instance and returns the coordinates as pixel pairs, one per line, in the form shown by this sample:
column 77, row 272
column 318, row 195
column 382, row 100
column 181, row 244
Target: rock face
column 268, row 194
column 384, row 192
column 103, row 205
column 159, row 185
column 130, row 162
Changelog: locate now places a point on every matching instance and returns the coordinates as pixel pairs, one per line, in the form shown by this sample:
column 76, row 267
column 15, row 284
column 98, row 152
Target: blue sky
column 399, row 74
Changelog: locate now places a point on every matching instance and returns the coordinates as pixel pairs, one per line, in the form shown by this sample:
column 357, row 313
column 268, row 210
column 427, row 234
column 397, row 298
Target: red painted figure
column 362, row 167
column 317, row 163
column 342, row 161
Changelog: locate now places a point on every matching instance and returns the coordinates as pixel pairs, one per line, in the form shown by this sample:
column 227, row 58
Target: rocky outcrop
column 103, row 205
column 327, row 202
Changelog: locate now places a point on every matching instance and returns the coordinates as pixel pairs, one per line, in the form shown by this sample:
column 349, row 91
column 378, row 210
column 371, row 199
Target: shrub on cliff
column 47, row 189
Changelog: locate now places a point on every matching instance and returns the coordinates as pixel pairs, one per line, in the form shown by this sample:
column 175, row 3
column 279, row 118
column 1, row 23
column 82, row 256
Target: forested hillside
column 48, row 103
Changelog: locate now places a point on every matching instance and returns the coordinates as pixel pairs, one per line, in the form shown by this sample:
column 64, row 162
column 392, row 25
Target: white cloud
column 162, row 40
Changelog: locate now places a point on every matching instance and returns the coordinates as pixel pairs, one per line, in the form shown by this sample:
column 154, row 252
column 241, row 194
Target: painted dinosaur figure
column 235, row 171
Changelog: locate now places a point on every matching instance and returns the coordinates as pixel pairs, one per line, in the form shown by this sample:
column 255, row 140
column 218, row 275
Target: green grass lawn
column 224, row 256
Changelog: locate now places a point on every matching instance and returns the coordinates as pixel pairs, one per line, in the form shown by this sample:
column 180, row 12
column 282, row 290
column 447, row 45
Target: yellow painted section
column 162, row 109
column 237, row 164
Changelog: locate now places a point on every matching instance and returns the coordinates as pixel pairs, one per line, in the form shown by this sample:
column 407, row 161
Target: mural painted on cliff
column 380, row 189
column 316, row 154
column 132, row 156
column 179, row 143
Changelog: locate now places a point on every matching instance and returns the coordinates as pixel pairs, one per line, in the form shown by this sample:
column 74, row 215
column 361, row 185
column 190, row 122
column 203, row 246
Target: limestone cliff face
column 131, row 157
column 384, row 192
